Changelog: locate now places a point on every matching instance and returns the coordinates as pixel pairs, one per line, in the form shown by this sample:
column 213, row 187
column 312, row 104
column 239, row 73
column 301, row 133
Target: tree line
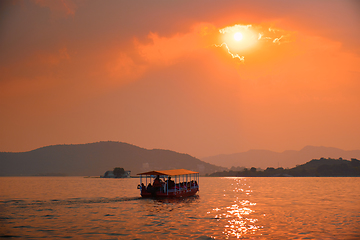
column 315, row 168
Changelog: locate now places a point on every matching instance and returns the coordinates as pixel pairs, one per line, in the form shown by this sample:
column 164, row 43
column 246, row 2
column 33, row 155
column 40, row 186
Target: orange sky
column 157, row 74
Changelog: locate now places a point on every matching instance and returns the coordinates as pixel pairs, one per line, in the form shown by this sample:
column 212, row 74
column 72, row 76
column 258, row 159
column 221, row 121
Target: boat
column 175, row 183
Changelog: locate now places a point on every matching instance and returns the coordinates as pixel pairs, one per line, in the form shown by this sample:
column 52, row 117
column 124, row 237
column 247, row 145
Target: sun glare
column 240, row 40
column 238, row 36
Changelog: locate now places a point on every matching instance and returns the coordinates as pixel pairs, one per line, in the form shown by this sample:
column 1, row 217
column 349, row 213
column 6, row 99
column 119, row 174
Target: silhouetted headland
column 314, row 168
column 287, row 159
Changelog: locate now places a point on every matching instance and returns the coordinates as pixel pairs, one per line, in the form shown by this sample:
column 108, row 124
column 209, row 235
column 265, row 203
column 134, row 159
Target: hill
column 94, row 159
column 287, row 159
column 314, row 168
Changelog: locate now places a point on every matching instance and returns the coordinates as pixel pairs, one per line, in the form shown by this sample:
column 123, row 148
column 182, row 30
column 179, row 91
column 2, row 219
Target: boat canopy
column 173, row 172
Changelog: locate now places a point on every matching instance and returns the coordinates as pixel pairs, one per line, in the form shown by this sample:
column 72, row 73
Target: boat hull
column 177, row 194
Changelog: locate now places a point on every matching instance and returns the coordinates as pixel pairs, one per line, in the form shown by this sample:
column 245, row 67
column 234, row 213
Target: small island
column 315, row 168
column 116, row 173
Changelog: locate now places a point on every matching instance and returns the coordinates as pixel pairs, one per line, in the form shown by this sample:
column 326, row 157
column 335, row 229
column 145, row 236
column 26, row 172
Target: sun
column 238, row 36
column 239, row 40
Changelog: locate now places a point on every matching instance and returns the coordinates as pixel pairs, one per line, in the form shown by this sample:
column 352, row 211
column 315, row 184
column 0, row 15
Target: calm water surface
column 225, row 208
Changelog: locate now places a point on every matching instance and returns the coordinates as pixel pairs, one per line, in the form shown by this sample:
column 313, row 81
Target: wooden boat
column 160, row 184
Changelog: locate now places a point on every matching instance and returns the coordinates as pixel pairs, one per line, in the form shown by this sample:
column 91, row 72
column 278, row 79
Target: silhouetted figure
column 143, row 188
column 149, row 188
column 157, row 184
column 171, row 183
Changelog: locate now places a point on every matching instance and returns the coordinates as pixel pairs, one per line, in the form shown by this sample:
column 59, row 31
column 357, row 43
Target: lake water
column 225, row 208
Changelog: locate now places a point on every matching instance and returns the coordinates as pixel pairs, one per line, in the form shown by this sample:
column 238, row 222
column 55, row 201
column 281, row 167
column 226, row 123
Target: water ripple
column 25, row 203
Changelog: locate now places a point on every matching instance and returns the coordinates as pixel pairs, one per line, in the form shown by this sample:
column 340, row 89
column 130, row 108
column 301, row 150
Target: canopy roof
column 173, row 172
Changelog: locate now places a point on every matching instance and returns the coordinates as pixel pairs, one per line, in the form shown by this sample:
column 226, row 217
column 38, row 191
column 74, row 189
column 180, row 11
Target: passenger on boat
column 149, row 187
column 171, row 183
column 157, row 183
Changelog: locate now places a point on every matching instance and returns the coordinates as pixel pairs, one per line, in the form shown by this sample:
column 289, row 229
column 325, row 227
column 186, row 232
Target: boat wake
column 71, row 201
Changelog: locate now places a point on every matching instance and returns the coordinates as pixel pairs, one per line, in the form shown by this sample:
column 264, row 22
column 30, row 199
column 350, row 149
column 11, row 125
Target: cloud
column 233, row 55
column 61, row 8
column 123, row 68
column 234, row 28
column 125, row 62
column 252, row 35
column 34, row 73
column 166, row 50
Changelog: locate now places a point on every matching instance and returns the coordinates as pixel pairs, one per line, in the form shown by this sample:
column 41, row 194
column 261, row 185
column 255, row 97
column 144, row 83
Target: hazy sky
column 171, row 75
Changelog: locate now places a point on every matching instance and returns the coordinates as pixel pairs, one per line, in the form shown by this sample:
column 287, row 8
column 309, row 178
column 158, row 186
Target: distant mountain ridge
column 287, row 159
column 94, row 159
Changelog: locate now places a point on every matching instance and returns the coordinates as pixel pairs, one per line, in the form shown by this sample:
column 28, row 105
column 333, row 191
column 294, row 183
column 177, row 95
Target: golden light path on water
column 236, row 219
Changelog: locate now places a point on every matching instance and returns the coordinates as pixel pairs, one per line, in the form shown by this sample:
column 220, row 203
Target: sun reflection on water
column 238, row 219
